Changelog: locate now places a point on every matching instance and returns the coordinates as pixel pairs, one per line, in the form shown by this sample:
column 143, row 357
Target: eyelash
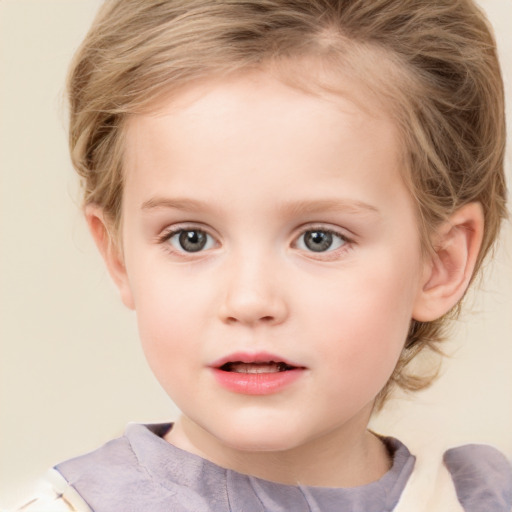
column 344, row 242
column 167, row 235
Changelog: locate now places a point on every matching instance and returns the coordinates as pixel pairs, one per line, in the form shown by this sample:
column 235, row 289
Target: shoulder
column 141, row 471
column 482, row 477
column 113, row 457
column 110, row 471
column 470, row 478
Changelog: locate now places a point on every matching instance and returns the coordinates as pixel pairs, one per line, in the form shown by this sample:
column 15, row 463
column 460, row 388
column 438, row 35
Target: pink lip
column 255, row 383
column 247, row 357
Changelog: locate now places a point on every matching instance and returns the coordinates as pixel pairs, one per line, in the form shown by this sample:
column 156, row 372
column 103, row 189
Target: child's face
column 265, row 225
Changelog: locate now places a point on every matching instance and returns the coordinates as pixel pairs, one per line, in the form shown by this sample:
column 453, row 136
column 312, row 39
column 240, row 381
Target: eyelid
column 337, row 231
column 168, row 232
column 172, row 229
column 328, row 228
column 327, row 231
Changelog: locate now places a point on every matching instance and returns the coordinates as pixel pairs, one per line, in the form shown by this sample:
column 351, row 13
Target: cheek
column 362, row 354
column 170, row 314
column 365, row 321
column 375, row 298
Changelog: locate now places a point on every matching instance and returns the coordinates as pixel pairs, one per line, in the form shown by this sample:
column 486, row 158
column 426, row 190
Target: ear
column 110, row 250
column 449, row 270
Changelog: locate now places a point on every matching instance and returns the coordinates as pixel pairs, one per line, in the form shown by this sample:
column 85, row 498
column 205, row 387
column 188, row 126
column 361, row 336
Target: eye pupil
column 193, row 240
column 318, row 241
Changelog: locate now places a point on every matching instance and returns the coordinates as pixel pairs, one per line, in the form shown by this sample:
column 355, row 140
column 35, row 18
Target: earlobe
column 110, row 251
column 449, row 269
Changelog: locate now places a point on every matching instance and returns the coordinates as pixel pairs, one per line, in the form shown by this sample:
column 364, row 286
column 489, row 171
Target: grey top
column 140, row 471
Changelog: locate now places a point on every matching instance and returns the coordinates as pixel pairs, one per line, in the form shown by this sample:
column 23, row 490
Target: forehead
column 362, row 79
column 253, row 138
column 250, row 101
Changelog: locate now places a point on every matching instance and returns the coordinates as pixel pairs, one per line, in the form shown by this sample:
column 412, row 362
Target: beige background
column 71, row 370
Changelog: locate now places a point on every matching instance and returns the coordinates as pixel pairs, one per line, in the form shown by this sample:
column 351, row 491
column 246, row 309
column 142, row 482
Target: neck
column 349, row 458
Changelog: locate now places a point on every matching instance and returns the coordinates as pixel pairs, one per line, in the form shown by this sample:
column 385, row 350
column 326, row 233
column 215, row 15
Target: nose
column 253, row 295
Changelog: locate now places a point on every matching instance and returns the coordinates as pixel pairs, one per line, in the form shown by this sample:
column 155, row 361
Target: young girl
column 294, row 197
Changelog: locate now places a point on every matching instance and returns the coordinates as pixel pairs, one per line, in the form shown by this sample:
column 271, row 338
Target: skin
column 253, row 165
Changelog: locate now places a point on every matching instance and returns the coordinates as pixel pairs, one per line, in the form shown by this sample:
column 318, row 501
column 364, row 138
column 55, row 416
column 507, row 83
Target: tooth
column 254, row 368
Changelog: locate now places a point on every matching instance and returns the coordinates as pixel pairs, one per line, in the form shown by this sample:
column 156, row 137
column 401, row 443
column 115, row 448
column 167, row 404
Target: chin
column 259, row 438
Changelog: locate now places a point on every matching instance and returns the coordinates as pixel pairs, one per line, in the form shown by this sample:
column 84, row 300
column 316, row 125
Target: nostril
column 263, row 319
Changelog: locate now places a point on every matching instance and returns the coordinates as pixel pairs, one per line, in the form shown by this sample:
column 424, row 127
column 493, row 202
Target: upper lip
column 257, row 357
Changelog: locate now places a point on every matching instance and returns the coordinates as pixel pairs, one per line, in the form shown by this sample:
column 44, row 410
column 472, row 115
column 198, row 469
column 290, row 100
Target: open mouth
column 259, row 373
column 263, row 367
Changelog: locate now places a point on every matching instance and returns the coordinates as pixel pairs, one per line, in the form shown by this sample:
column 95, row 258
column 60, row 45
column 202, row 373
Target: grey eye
column 191, row 240
column 319, row 240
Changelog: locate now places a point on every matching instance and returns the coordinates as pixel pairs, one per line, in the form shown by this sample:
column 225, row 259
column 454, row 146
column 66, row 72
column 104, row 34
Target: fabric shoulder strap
column 54, row 494
column 430, row 486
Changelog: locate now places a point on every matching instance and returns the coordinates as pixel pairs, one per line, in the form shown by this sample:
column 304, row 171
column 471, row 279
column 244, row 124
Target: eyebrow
column 332, row 205
column 174, row 203
column 291, row 208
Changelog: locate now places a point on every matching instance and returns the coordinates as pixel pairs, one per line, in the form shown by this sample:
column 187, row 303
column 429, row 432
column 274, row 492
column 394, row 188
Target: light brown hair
column 433, row 64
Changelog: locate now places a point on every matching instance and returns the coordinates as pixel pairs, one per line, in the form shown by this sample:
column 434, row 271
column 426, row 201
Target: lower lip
column 257, row 383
